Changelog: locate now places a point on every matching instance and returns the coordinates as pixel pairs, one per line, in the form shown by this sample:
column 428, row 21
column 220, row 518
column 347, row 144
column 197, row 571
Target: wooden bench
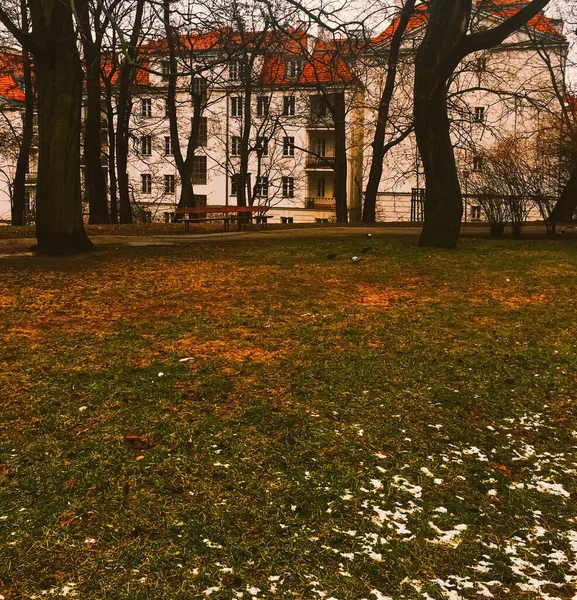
column 227, row 214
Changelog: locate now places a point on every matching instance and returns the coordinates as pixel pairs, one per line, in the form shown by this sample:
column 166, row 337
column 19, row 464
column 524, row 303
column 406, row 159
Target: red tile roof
column 11, row 77
column 499, row 8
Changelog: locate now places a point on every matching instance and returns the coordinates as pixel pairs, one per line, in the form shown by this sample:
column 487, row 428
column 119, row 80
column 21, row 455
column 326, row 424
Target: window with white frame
column 199, row 86
column 475, row 213
column 288, row 147
column 236, row 70
column 236, row 106
column 146, row 183
column 262, row 105
column 168, row 148
column 293, row 68
column 480, row 114
column 169, row 184
column 165, row 69
column 321, row 147
column 288, row 187
column 146, row 145
column 235, row 145
column 233, row 184
column 261, row 187
column 146, row 107
column 477, row 163
column 288, row 106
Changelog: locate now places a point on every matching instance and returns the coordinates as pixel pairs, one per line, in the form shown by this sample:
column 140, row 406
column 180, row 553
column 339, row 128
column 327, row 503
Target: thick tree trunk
column 565, row 208
column 444, row 202
column 338, row 109
column 18, row 216
column 59, row 225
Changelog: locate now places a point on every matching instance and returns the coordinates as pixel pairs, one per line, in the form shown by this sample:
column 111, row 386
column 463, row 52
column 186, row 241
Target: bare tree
column 58, row 71
column 446, row 43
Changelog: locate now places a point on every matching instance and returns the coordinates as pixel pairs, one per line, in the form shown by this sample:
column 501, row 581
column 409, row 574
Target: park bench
column 227, row 214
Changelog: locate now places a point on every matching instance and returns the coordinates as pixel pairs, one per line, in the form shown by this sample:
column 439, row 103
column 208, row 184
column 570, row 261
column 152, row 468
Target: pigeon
column 356, row 259
column 369, row 235
column 331, row 256
column 365, row 250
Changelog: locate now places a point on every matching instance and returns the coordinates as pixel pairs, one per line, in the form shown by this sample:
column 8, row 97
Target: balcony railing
column 320, row 203
column 320, row 162
column 317, row 121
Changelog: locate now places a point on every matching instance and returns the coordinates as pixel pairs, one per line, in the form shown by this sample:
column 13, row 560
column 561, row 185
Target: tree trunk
column 124, row 110
column 112, row 182
column 95, row 181
column 59, row 225
column 378, row 145
column 567, row 203
column 338, row 109
column 18, row 216
column 443, row 202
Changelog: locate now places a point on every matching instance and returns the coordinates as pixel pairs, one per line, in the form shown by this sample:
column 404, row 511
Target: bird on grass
column 331, row 256
column 369, row 235
column 356, row 259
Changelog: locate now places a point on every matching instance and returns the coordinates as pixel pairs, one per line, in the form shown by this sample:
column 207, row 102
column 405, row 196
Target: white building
column 291, row 166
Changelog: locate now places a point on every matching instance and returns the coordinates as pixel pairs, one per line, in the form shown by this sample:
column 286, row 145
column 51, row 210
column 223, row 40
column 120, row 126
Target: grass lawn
column 247, row 419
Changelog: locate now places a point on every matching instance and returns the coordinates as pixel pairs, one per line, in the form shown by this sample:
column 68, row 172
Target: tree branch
column 483, row 40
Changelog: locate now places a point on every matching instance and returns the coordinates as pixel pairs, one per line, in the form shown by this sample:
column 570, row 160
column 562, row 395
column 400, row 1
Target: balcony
column 320, row 163
column 320, row 203
column 320, row 122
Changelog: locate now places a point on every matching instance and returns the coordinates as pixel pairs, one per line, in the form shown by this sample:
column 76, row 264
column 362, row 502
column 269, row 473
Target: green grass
column 317, row 396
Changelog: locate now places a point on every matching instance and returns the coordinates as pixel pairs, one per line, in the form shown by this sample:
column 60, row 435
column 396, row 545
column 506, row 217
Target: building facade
column 269, row 102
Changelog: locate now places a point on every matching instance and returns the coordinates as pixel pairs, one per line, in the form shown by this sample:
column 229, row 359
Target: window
column 293, row 68
column 233, row 181
column 146, row 107
column 199, row 170
column 146, row 183
column 203, row 131
column 168, row 149
column 321, row 147
column 236, row 70
column 288, row 187
column 475, row 213
column 286, row 220
column 165, row 69
column 318, row 107
column 146, row 145
column 288, row 147
column 262, row 146
column 235, row 145
column 481, row 64
column 477, row 163
column 288, row 106
column 169, row 184
column 262, row 104
column 199, row 85
column 261, row 187
column 166, row 109
column 321, row 187
column 480, row 114
column 236, row 106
